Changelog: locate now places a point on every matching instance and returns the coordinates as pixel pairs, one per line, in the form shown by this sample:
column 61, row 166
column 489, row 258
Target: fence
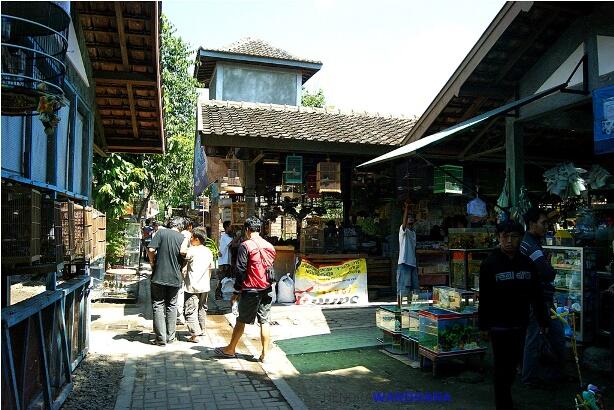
column 43, row 340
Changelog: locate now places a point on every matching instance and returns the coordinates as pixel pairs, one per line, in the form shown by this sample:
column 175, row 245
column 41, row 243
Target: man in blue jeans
column 407, row 270
column 165, row 259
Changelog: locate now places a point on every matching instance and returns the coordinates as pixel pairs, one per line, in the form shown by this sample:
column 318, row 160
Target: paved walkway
column 184, row 375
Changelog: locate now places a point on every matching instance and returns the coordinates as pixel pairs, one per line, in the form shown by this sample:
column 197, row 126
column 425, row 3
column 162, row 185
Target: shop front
column 542, row 121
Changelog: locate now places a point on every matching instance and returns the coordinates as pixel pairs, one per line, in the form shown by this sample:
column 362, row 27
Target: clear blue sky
column 386, row 56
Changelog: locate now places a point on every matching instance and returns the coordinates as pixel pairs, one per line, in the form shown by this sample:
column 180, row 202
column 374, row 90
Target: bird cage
column 238, row 213
column 52, row 246
column 81, row 245
column 34, row 44
column 311, row 185
column 294, row 170
column 232, row 177
column 329, row 177
column 68, row 230
column 290, row 191
column 21, row 225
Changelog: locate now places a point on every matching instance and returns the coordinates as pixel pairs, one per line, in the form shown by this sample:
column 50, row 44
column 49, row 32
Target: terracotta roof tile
column 256, row 47
column 305, row 123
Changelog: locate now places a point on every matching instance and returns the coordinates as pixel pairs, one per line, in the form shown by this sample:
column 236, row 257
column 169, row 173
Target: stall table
column 436, row 357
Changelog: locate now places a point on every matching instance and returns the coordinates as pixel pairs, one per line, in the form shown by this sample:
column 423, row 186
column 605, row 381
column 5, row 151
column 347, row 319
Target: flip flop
column 219, row 351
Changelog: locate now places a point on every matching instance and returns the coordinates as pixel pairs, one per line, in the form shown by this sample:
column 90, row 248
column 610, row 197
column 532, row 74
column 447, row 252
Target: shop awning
column 411, row 148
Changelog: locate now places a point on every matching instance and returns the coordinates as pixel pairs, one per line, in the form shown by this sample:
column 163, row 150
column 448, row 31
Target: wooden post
column 250, row 188
column 514, row 157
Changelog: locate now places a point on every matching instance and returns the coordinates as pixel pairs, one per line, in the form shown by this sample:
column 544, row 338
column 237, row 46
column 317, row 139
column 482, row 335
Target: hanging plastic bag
column 227, row 288
column 285, row 289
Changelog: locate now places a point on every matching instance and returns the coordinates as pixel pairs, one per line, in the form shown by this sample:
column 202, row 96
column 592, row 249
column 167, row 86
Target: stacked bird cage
column 68, row 230
column 21, row 225
column 80, row 233
column 52, row 247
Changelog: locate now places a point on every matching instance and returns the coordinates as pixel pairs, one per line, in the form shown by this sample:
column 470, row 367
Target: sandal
column 219, row 351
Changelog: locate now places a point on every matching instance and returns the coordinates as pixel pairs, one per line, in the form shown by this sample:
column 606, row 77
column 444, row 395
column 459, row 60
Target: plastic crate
column 21, row 225
column 447, row 179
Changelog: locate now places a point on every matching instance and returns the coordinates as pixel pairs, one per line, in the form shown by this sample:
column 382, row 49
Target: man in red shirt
column 252, row 288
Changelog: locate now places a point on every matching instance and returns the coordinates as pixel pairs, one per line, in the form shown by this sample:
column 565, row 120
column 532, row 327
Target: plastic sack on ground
column 274, row 292
column 285, row 289
column 227, row 288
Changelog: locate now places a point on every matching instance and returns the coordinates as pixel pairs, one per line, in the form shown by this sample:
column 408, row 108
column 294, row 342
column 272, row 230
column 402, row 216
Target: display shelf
column 574, row 284
column 464, row 264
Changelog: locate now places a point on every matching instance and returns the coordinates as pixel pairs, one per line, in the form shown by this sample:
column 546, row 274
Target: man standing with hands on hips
column 407, row 270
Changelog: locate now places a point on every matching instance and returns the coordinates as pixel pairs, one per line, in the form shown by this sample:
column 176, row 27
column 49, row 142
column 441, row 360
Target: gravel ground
column 95, row 383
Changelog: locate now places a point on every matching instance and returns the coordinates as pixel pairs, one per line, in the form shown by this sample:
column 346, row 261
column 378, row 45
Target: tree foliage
column 316, row 100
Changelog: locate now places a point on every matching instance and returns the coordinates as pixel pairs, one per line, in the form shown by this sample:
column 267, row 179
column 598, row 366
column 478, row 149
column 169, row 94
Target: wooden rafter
column 124, row 78
column 122, row 36
column 511, row 61
column 478, row 137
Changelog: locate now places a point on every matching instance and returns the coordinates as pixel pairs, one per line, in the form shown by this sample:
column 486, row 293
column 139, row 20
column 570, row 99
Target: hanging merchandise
column 564, row 180
column 503, row 202
column 597, row 177
column 294, row 170
column 524, row 204
column 329, row 177
column 477, row 207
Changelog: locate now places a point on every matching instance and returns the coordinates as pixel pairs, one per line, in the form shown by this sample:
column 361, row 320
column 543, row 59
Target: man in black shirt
column 534, row 372
column 509, row 286
column 165, row 258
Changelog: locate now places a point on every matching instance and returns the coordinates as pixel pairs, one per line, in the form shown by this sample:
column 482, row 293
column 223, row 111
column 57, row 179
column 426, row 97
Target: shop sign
column 341, row 284
column 603, row 111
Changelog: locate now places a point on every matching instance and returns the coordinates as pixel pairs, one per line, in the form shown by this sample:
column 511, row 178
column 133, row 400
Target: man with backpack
column 253, row 288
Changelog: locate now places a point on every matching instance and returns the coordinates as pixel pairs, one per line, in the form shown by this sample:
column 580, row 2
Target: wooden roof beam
column 511, row 61
column 122, row 36
column 135, row 127
column 111, row 31
column 124, row 77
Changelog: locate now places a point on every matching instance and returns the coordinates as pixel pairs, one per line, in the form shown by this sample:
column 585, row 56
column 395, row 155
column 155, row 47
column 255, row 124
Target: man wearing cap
column 252, row 288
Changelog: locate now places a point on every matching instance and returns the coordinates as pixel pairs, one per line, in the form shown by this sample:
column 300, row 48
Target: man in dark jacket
column 253, row 290
column 534, row 372
column 509, row 286
column 166, row 280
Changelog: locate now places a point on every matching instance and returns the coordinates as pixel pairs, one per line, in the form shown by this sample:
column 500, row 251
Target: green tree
column 316, row 99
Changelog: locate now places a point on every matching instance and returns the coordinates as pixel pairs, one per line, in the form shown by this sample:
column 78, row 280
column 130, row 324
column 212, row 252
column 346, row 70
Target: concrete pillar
column 514, row 157
column 250, row 188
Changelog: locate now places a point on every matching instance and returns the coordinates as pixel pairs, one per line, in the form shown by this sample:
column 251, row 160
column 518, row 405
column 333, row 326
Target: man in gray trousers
column 165, row 257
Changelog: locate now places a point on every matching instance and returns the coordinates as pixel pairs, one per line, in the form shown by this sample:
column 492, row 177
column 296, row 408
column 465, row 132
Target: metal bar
column 65, row 40
column 9, row 365
column 64, row 341
column 43, row 354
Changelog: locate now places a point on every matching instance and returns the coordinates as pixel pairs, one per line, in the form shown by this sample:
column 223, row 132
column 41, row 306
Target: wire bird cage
column 34, row 44
column 233, row 177
column 21, row 225
column 68, row 230
column 329, row 177
column 294, row 170
column 52, row 246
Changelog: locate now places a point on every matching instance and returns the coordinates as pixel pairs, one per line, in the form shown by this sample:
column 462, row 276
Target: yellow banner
column 341, row 284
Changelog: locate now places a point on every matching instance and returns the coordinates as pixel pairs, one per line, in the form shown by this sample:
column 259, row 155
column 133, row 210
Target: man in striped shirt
column 534, row 372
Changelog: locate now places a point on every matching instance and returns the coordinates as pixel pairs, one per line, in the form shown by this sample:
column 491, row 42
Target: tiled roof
column 301, row 123
column 256, row 47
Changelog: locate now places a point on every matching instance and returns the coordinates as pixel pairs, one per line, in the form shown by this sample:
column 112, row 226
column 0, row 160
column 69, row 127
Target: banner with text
column 341, row 284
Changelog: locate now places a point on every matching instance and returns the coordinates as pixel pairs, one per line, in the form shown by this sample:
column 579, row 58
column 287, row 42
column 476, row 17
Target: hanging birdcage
column 294, row 170
column 232, row 181
column 329, row 177
column 34, row 44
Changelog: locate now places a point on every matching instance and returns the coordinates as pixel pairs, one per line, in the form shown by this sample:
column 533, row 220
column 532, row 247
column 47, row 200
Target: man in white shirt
column 407, row 271
column 224, row 265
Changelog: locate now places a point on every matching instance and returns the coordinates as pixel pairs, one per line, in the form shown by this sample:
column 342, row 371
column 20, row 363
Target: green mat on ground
column 337, row 340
